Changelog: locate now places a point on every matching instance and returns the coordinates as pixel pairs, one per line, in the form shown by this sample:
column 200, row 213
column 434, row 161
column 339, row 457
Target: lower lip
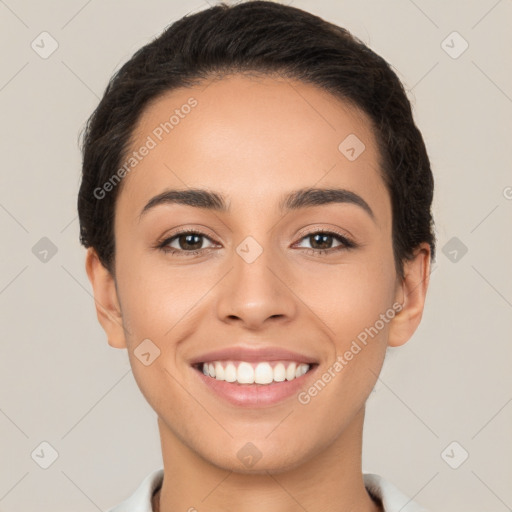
column 256, row 395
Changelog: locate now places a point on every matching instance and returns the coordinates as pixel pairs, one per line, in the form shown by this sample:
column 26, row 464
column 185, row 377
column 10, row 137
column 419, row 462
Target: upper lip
column 240, row 353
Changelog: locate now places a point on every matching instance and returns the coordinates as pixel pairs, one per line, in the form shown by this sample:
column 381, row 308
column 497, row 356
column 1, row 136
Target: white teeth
column 219, row 371
column 290, row 372
column 279, row 372
column 263, row 374
column 300, row 370
column 245, row 374
column 254, row 373
column 230, row 373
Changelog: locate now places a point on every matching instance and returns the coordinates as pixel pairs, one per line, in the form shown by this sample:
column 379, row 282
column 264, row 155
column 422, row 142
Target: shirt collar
column 392, row 499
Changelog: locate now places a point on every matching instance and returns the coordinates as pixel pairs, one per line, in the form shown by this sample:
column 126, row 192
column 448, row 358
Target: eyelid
column 194, row 232
column 328, row 229
column 180, row 231
column 347, row 242
column 164, row 241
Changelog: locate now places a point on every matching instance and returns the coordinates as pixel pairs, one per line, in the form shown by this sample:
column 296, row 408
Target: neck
column 330, row 481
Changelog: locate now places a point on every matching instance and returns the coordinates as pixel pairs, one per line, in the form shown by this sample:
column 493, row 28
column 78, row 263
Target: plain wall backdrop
column 443, row 396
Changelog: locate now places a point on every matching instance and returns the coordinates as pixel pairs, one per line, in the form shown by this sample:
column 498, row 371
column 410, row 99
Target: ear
column 108, row 309
column 411, row 293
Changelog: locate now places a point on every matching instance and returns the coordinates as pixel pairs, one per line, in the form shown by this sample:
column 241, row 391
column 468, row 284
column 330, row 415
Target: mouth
column 260, row 373
column 255, row 384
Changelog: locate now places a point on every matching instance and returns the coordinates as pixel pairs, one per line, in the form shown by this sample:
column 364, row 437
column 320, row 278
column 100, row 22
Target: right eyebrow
column 197, row 198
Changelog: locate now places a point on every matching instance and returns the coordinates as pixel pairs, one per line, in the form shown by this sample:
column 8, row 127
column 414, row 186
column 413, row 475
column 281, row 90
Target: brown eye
column 325, row 241
column 187, row 243
column 321, row 241
column 191, row 241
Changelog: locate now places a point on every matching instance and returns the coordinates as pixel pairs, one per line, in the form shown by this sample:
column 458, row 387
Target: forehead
column 252, row 139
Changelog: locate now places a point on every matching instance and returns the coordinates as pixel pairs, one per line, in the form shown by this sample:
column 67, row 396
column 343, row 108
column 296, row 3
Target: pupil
column 188, row 238
column 326, row 239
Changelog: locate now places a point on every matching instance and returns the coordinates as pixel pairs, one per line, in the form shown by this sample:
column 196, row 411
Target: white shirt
column 392, row 499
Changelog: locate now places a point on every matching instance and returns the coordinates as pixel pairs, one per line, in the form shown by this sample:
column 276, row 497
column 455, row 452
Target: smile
column 263, row 372
column 254, row 384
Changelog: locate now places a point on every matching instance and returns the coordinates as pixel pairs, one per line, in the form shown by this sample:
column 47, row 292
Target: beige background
column 61, row 383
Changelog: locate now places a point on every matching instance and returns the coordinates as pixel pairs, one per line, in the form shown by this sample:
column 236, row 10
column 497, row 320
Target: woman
column 256, row 204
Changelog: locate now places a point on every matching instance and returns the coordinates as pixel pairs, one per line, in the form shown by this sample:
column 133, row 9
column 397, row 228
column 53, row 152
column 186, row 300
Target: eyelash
column 346, row 243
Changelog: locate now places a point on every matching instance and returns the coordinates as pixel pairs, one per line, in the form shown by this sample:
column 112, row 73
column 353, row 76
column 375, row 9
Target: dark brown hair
column 266, row 38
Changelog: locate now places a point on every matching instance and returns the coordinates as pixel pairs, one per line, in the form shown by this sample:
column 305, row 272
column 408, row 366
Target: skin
column 253, row 140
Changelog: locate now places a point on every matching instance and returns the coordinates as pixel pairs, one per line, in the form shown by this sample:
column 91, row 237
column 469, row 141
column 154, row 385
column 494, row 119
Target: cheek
column 155, row 298
column 351, row 297
column 154, row 303
column 355, row 302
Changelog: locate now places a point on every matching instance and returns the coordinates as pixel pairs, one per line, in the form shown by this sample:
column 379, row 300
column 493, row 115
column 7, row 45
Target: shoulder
column 393, row 500
column 140, row 500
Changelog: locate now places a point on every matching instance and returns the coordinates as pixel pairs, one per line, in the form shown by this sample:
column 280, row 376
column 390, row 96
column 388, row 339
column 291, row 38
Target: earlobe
column 107, row 304
column 411, row 294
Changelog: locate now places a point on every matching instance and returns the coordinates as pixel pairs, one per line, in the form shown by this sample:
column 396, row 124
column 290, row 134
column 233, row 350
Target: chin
column 259, row 458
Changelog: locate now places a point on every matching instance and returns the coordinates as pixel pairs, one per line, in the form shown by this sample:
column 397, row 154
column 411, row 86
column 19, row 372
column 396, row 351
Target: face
column 253, row 266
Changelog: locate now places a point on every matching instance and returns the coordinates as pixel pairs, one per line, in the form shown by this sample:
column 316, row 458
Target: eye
column 191, row 243
column 188, row 242
column 321, row 242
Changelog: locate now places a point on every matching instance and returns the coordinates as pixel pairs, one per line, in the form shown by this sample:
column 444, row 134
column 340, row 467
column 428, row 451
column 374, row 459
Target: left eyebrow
column 307, row 197
column 302, row 198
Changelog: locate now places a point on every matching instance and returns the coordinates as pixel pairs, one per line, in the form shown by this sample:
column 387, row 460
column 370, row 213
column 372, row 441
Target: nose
column 254, row 294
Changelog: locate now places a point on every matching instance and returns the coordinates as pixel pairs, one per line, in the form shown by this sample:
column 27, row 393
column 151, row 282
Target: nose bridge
column 252, row 291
